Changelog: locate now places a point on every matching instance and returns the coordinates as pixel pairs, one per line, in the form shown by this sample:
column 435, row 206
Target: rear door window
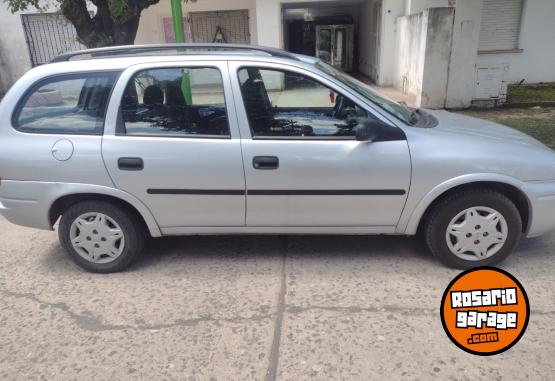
column 175, row 102
column 69, row 104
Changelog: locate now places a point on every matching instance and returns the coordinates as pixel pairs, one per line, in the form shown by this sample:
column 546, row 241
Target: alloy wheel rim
column 477, row 233
column 97, row 238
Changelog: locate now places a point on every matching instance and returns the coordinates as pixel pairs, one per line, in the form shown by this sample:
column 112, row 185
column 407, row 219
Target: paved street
column 253, row 308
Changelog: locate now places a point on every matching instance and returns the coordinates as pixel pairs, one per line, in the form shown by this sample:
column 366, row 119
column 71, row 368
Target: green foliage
column 531, row 93
column 115, row 22
column 119, row 9
column 23, row 5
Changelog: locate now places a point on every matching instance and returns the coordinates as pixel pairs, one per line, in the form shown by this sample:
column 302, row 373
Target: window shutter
column 233, row 25
column 500, row 28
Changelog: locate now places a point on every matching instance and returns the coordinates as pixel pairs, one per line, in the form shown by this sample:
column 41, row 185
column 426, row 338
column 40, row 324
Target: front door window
column 287, row 104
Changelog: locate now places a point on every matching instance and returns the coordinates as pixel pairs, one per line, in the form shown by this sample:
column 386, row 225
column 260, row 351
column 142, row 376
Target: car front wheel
column 473, row 228
column 100, row 236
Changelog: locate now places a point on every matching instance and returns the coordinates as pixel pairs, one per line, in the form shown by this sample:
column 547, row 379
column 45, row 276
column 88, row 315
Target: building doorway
column 327, row 30
column 334, row 45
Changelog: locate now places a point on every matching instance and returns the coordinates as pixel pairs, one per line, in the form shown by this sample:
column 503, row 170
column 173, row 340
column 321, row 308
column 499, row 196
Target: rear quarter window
column 66, row 104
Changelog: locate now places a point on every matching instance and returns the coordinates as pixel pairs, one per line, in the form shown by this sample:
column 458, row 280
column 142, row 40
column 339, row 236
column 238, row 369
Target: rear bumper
column 28, row 203
column 21, row 208
column 541, row 195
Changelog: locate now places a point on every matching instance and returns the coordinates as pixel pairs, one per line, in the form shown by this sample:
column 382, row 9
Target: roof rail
column 138, row 49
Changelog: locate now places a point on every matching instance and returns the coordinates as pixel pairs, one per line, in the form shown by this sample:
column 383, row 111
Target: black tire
column 132, row 227
column 448, row 208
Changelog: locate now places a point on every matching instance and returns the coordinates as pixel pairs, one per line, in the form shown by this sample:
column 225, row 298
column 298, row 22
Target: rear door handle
column 130, row 164
column 265, row 162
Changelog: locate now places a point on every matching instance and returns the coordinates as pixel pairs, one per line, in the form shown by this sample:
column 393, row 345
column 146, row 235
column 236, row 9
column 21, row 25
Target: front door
column 303, row 165
column 175, row 144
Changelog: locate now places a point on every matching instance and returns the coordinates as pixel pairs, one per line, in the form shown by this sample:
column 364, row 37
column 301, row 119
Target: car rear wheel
column 473, row 228
column 100, row 236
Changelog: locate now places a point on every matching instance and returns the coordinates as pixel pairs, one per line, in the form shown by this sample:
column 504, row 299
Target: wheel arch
column 126, row 201
column 510, row 187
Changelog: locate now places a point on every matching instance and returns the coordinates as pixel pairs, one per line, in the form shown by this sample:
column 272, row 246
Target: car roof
column 123, row 63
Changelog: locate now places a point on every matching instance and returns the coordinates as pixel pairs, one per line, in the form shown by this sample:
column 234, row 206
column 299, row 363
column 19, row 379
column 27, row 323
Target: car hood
column 461, row 125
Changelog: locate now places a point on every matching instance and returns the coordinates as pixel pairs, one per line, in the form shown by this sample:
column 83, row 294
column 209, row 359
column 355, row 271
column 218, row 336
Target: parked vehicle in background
column 192, row 139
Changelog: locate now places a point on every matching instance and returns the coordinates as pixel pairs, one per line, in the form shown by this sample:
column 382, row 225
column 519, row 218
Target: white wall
column 411, row 51
column 415, row 6
column 437, row 58
column 366, row 45
column 423, row 55
column 391, row 10
column 462, row 67
column 385, row 75
column 269, row 23
column 14, row 53
column 151, row 26
column 536, row 63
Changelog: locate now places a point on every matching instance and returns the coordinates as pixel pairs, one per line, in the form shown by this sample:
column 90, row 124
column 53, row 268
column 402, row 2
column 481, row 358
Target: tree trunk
column 105, row 28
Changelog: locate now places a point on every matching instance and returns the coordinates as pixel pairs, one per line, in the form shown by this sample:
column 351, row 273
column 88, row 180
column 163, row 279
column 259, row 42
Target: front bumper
column 541, row 195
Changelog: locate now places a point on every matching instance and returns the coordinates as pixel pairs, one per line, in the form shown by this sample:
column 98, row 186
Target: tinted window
column 175, row 102
column 73, row 104
column 287, row 104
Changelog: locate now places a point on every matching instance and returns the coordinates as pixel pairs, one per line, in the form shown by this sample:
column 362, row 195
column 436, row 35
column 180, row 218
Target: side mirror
column 368, row 130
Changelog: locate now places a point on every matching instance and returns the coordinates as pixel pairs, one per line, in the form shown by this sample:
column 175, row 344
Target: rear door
column 172, row 141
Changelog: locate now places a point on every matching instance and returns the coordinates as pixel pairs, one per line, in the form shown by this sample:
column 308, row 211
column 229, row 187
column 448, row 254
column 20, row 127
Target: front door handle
column 130, row 164
column 265, row 162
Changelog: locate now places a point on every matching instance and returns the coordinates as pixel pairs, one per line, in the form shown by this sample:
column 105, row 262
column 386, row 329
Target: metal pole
column 177, row 16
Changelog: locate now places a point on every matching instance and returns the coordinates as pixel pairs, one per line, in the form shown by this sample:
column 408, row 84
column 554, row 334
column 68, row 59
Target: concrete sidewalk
column 253, row 308
column 389, row 91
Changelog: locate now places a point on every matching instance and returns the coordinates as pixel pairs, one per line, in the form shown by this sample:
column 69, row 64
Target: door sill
column 269, row 230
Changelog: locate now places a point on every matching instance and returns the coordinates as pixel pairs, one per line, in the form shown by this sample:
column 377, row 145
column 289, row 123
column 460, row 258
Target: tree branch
column 115, row 22
column 77, row 13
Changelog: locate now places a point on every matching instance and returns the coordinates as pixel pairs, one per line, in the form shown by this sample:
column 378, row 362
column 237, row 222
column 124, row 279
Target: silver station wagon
column 120, row 144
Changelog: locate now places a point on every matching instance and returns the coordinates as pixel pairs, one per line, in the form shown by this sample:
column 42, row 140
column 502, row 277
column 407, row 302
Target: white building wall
column 14, row 54
column 462, row 67
column 415, row 6
column 423, row 54
column 270, row 24
column 536, row 62
column 437, row 58
column 366, row 44
column 151, row 26
column 411, row 52
column 391, row 10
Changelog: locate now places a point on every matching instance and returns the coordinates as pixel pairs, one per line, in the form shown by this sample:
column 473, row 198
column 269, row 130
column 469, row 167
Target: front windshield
column 396, row 109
